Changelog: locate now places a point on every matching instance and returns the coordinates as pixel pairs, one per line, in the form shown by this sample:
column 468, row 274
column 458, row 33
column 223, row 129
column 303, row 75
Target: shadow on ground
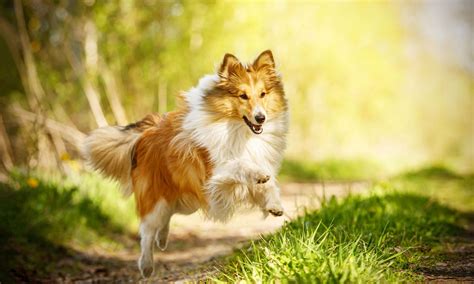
column 454, row 259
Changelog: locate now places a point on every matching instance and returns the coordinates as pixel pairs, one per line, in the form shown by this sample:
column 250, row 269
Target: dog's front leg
column 229, row 186
column 239, row 171
column 267, row 197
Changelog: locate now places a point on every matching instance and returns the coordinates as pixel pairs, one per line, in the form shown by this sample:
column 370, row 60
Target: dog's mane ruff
column 190, row 104
column 227, row 139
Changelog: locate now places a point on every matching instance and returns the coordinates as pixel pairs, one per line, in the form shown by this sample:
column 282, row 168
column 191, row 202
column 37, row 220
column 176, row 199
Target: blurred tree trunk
column 45, row 143
column 35, row 95
column 91, row 93
column 5, row 147
column 35, row 91
column 86, row 70
column 68, row 133
column 113, row 95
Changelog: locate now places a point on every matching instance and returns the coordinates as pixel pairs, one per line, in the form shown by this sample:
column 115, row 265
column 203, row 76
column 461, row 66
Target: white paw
column 260, row 177
column 275, row 209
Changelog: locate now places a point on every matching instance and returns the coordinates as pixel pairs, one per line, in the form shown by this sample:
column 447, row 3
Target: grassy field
column 380, row 236
column 44, row 219
column 383, row 236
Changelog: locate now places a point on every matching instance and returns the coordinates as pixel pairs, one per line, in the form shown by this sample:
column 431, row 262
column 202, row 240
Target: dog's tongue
column 257, row 129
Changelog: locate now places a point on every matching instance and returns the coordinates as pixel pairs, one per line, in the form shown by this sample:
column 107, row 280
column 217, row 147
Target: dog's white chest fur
column 234, row 140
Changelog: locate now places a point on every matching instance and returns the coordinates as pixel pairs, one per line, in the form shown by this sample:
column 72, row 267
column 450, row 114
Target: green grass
column 107, row 195
column 440, row 183
column 329, row 170
column 431, row 171
column 379, row 237
column 43, row 218
column 369, row 238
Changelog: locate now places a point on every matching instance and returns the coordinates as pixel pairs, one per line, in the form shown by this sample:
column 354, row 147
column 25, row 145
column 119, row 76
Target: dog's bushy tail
column 110, row 149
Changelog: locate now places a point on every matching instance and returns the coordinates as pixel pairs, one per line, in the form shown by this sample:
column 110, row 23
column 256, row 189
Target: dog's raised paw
column 276, row 212
column 257, row 175
column 162, row 244
column 263, row 179
column 161, row 240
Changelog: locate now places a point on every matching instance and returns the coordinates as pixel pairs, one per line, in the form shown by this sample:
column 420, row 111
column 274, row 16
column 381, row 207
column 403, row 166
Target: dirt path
column 196, row 244
column 454, row 262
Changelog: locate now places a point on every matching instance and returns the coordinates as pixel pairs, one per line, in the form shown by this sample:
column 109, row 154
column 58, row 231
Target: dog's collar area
column 256, row 128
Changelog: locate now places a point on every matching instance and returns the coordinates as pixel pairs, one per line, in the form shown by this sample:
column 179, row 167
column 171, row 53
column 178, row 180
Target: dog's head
column 250, row 93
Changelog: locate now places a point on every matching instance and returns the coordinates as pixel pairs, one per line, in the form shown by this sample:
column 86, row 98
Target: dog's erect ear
column 229, row 62
column 265, row 59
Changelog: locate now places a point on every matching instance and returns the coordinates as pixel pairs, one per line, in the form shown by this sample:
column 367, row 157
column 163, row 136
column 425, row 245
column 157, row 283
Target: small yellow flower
column 65, row 157
column 32, row 182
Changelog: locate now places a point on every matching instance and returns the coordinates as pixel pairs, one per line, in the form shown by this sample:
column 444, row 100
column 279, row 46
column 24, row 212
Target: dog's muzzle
column 256, row 128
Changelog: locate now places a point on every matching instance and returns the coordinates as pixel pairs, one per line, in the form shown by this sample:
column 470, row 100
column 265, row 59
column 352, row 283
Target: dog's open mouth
column 256, row 128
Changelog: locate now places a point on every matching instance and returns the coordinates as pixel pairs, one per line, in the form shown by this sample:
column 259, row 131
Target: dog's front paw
column 260, row 177
column 263, row 179
column 275, row 210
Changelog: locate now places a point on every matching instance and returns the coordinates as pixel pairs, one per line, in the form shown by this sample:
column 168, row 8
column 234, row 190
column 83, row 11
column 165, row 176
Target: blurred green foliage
column 330, row 170
column 362, row 81
column 434, row 171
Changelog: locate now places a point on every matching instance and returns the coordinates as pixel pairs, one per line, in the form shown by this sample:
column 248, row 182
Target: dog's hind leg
column 156, row 220
column 162, row 234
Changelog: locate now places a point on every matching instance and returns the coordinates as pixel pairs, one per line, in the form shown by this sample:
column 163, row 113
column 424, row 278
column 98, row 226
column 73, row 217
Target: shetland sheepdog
column 221, row 148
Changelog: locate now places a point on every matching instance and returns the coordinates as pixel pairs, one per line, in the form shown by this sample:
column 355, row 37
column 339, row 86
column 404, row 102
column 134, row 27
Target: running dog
column 222, row 147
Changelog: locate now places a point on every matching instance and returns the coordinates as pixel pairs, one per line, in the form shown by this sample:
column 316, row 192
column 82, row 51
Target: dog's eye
column 244, row 96
column 262, row 94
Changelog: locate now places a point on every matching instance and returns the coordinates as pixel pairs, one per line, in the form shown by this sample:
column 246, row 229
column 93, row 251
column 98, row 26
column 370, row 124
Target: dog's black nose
column 260, row 118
